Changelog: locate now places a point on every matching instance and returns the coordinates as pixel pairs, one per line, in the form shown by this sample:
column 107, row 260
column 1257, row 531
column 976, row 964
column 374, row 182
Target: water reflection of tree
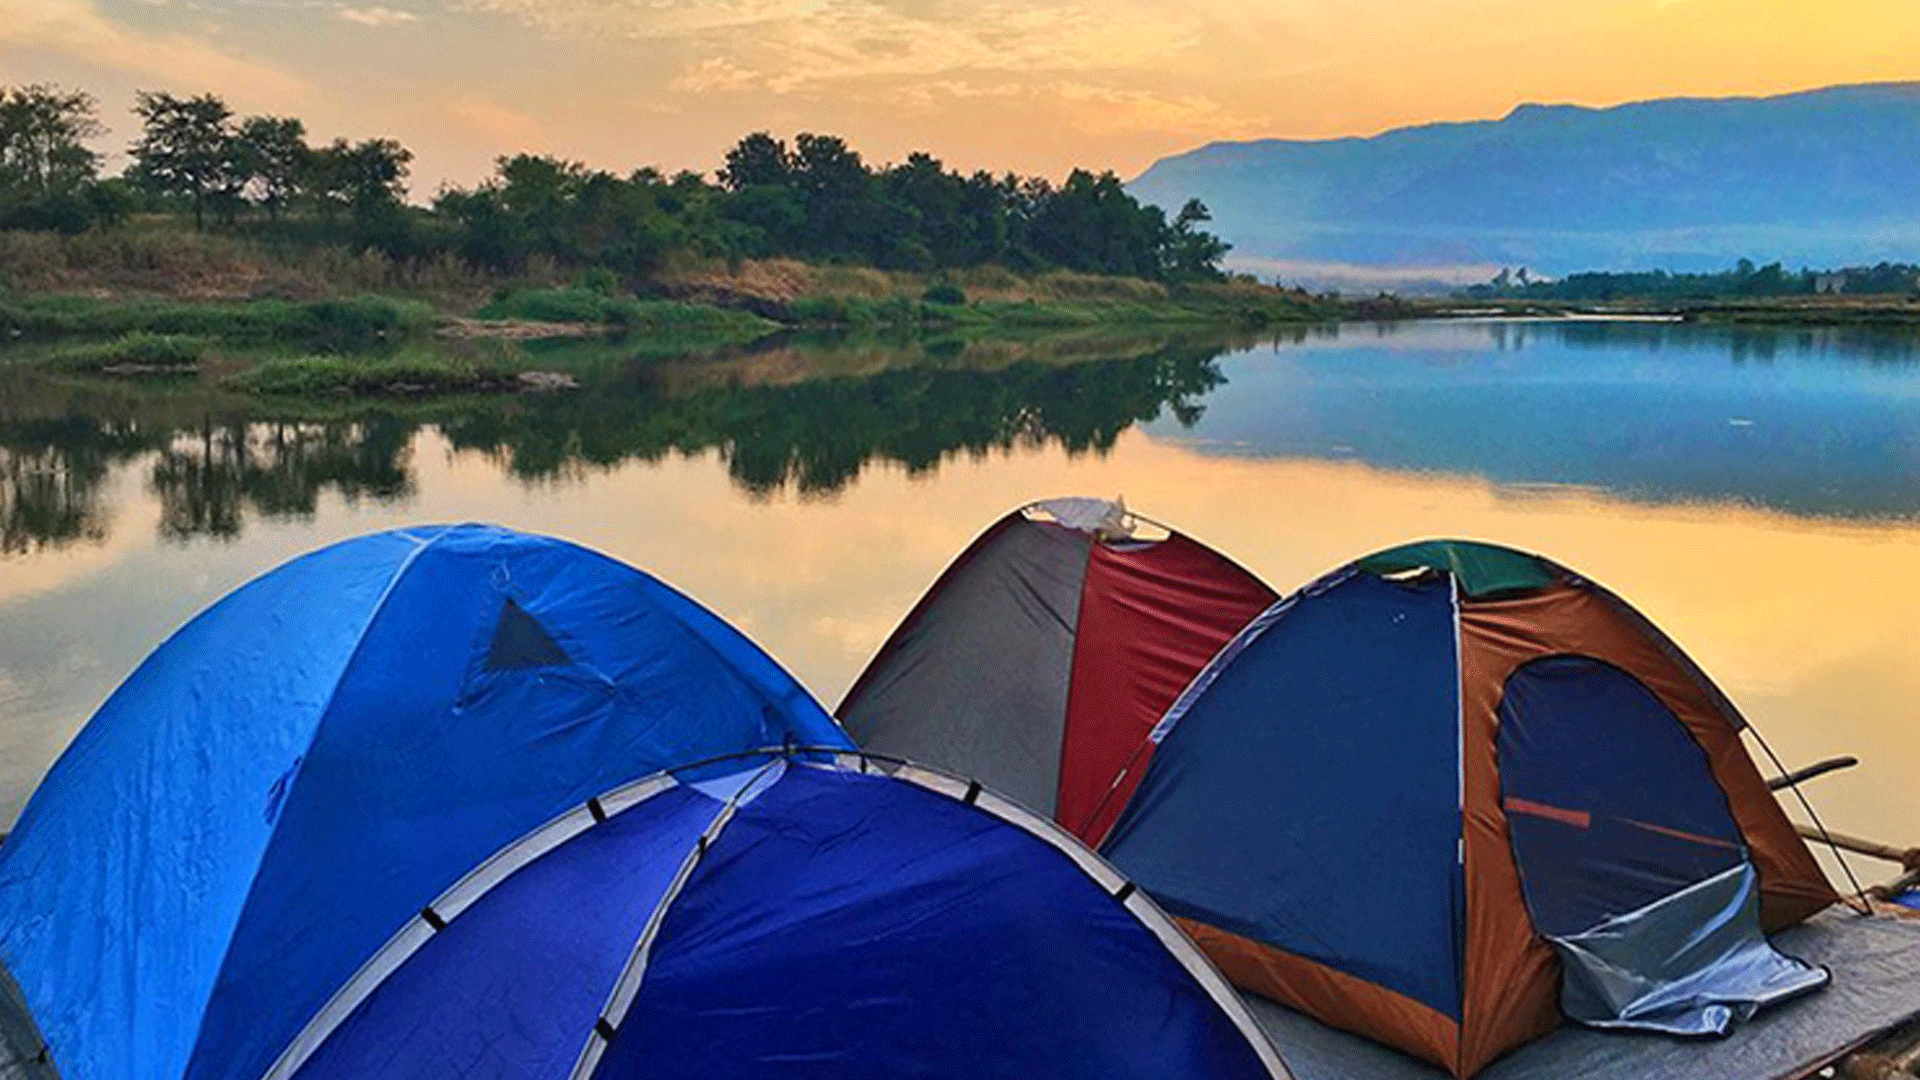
column 51, row 474
column 215, row 464
column 816, row 437
column 210, row 478
column 1757, row 343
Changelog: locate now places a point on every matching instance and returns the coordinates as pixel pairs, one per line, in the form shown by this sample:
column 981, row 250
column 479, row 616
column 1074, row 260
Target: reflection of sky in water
column 1802, row 617
column 1807, row 422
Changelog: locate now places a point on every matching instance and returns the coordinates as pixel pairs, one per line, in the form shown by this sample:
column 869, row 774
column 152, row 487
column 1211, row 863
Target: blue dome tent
column 797, row 918
column 298, row 771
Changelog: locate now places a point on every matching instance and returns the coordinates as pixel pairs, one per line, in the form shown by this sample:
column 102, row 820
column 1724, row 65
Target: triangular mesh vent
column 519, row 641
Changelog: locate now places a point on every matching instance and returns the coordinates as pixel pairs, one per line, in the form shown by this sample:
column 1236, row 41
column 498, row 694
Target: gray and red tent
column 1045, row 654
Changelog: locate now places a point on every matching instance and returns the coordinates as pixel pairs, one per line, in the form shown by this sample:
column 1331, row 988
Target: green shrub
column 600, row 280
column 581, row 305
column 820, row 310
column 945, row 292
column 323, row 323
column 305, row 376
column 138, row 350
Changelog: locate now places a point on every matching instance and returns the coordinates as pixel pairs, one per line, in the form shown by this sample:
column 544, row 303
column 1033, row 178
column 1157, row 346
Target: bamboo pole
column 1818, row 768
column 1908, row 858
column 1898, row 886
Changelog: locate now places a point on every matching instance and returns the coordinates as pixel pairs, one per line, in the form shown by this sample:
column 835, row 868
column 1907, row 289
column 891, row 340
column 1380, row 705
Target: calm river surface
column 1756, row 492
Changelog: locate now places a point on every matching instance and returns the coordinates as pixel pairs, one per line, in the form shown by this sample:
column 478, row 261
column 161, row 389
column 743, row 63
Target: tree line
column 815, row 199
column 1743, row 281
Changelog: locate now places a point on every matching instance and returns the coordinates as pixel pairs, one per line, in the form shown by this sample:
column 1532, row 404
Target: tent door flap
column 1691, row 963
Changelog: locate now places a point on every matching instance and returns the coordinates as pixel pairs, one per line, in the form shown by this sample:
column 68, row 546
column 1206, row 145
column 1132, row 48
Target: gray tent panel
column 977, row 677
column 23, row 1053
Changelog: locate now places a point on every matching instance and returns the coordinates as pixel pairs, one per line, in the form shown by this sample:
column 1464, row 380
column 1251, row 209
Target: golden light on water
column 1805, row 622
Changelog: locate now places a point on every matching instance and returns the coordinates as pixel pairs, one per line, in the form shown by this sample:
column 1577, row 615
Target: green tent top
column 1481, row 569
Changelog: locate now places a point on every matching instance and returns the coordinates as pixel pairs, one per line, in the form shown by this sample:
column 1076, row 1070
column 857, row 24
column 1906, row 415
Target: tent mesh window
column 519, row 641
column 1611, row 803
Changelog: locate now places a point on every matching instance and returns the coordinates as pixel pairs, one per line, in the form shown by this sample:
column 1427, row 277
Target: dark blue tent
column 798, row 918
column 287, row 781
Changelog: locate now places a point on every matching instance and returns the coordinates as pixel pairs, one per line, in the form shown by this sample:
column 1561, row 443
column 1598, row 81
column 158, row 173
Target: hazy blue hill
column 1823, row 177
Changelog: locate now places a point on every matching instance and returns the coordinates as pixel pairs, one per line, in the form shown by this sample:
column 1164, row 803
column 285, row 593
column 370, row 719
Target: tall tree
column 367, row 179
column 757, row 160
column 43, row 133
column 185, row 147
column 1193, row 253
column 271, row 154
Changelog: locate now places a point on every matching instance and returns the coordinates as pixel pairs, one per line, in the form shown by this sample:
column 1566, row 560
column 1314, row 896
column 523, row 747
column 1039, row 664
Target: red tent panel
column 1152, row 615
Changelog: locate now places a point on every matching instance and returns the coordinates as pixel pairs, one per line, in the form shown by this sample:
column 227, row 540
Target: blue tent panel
column 132, row 862
column 854, row 926
column 1334, row 731
column 509, row 990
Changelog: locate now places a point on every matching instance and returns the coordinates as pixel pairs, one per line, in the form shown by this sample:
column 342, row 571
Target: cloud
column 497, row 123
column 77, row 29
column 376, row 16
column 789, row 46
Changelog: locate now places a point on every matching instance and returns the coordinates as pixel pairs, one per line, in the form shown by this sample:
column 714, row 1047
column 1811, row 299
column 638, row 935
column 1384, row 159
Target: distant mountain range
column 1822, row 178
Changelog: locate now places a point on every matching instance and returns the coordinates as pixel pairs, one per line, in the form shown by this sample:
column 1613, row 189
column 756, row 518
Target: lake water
column 1756, row 492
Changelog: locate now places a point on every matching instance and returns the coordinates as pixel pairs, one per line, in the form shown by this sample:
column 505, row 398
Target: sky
column 1034, row 86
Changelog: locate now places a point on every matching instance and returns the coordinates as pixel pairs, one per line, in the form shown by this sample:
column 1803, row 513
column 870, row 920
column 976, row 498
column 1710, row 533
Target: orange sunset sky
column 1029, row 85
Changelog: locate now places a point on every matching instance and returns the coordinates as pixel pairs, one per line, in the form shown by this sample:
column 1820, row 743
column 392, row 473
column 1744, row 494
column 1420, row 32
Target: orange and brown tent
column 1452, row 793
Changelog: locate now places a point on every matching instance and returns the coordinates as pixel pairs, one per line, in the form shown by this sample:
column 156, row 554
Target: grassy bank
column 621, row 313
column 1867, row 311
column 133, row 354
column 160, row 262
column 260, row 320
column 348, row 321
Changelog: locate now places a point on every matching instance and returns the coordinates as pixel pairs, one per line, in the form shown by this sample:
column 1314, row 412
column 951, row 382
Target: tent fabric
column 1218, row 837
column 1693, row 962
column 828, row 920
column 1630, row 861
column 1609, row 801
column 1044, row 655
column 1346, row 1002
column 1480, row 569
column 1152, row 615
column 1509, row 979
column 977, row 677
column 289, row 778
column 1515, row 992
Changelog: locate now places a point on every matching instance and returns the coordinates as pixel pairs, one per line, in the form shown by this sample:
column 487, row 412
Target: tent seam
column 1461, row 923
column 613, row 1014
column 299, row 770
column 648, row 788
